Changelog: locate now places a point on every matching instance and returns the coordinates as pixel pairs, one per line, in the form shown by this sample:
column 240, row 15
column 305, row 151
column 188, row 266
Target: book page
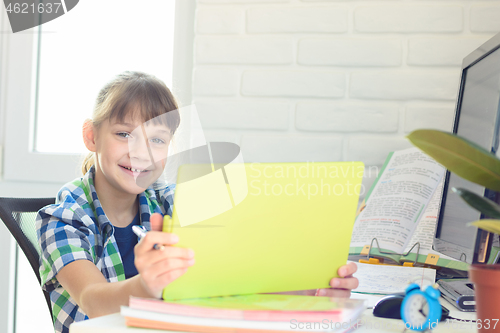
column 386, row 279
column 426, row 229
column 424, row 232
column 398, row 200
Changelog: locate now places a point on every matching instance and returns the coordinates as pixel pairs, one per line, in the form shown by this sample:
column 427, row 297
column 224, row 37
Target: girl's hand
column 342, row 286
column 158, row 268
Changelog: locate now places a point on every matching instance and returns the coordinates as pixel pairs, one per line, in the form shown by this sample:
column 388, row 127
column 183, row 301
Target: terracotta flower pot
column 486, row 279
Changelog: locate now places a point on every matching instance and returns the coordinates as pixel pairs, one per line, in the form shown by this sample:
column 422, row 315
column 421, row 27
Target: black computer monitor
column 476, row 119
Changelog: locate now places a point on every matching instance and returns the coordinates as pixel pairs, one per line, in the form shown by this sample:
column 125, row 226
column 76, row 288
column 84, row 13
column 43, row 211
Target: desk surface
column 115, row 323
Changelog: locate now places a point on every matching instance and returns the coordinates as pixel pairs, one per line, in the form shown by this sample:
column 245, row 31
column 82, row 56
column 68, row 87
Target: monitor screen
column 476, row 119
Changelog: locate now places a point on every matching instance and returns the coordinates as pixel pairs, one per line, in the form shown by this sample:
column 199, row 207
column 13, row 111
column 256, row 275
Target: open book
column 401, row 209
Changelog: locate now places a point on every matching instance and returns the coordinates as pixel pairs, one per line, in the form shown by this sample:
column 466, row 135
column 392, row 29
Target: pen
column 140, row 231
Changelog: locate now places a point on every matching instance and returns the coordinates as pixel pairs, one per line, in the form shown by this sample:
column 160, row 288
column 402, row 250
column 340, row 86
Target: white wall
column 312, row 80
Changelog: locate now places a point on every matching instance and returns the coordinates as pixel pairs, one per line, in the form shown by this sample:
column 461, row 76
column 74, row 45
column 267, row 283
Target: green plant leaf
column 488, row 225
column 482, row 204
column 460, row 156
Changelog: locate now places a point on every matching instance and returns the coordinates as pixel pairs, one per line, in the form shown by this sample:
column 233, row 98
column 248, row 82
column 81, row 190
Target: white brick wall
column 437, row 117
column 405, row 84
column 215, row 82
column 485, row 18
column 293, row 83
column 243, row 114
column 349, row 51
column 283, row 148
column 220, row 21
column 408, row 18
column 319, row 80
column 441, row 51
column 281, row 19
column 346, row 117
column 373, row 149
column 244, row 50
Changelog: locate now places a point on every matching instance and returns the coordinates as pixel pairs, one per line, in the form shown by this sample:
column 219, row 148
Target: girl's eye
column 123, row 134
column 157, row 141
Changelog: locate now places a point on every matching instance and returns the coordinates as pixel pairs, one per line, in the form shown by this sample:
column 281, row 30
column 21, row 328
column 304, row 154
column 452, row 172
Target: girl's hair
column 131, row 94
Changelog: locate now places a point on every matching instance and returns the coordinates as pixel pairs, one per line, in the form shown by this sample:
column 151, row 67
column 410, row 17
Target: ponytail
column 87, row 163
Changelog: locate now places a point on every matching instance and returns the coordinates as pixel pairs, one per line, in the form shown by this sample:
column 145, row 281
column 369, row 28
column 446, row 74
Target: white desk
column 115, row 323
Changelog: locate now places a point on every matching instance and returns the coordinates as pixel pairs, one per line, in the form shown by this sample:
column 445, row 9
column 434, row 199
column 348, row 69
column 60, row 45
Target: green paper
column 283, row 234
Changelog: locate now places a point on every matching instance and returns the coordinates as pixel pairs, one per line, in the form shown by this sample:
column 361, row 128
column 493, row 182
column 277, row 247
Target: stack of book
column 246, row 313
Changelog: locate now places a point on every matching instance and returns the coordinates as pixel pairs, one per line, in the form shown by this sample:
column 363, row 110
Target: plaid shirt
column 76, row 228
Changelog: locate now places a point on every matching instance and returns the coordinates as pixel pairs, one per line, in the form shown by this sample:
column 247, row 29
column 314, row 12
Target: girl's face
column 130, row 155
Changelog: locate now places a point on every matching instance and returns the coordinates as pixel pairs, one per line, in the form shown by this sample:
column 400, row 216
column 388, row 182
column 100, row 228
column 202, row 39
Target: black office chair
column 19, row 214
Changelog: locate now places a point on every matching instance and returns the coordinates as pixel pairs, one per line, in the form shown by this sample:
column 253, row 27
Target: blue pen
column 140, row 231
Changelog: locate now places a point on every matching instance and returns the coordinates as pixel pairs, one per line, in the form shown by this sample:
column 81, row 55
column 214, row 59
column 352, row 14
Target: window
column 51, row 79
column 82, row 50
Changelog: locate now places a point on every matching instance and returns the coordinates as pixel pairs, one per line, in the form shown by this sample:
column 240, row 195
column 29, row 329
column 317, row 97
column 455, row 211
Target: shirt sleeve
column 63, row 238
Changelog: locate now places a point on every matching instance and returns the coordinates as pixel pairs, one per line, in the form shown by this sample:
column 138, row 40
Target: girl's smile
column 135, row 172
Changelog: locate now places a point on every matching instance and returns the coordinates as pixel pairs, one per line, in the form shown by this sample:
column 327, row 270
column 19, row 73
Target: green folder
column 263, row 227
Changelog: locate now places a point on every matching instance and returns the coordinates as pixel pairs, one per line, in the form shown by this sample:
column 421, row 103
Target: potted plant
column 473, row 163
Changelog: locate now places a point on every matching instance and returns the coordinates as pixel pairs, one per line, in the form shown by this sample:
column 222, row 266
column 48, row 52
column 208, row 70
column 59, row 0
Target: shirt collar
column 102, row 220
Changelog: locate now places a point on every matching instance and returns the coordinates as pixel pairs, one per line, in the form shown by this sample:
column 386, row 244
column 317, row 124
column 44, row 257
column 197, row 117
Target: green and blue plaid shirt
column 76, row 228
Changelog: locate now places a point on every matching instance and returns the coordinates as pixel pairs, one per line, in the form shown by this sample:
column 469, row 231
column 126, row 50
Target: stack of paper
column 246, row 313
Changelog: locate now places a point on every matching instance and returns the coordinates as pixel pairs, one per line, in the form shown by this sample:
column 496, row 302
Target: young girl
column 91, row 260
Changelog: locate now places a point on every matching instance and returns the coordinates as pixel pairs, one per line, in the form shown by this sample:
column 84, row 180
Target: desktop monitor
column 476, row 119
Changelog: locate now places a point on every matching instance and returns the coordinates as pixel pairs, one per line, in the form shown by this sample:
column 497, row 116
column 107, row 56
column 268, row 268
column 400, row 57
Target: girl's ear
column 89, row 132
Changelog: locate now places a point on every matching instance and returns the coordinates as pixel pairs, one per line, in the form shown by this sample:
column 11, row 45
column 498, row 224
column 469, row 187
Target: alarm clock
column 421, row 309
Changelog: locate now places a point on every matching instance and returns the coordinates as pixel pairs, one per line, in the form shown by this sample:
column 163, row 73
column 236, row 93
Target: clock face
column 417, row 310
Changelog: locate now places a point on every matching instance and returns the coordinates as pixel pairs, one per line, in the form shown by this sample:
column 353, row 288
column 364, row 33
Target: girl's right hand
column 158, row 268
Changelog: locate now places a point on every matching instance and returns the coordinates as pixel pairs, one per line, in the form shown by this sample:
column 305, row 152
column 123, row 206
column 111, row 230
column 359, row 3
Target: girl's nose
column 138, row 148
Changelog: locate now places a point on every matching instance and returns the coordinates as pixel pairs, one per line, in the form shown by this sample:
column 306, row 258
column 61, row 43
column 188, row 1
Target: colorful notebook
column 256, row 307
column 263, row 227
column 250, row 313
